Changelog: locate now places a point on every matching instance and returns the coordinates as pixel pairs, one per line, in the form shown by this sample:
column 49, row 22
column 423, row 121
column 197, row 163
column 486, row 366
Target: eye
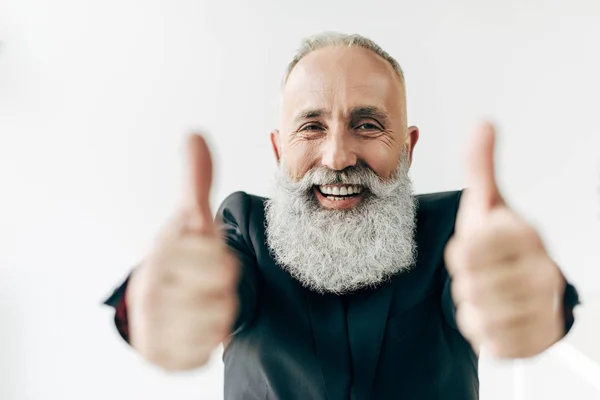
column 311, row 127
column 367, row 126
column 310, row 131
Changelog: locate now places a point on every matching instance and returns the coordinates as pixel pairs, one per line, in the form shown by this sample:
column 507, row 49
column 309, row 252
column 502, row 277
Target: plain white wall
column 96, row 97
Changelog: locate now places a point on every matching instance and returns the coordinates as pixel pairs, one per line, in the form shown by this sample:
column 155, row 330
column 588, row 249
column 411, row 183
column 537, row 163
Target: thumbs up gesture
column 182, row 300
column 507, row 291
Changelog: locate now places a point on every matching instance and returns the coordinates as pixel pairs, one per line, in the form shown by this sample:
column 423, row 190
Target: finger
column 505, row 238
column 490, row 287
column 469, row 320
column 204, row 264
column 471, row 255
column 452, row 258
column 208, row 324
column 199, row 216
column 498, row 330
column 481, row 177
column 525, row 338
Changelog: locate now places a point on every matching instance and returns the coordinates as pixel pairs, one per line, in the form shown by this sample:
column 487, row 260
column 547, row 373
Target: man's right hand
column 182, row 300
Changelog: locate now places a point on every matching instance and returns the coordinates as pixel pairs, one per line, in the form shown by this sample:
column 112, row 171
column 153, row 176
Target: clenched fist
column 182, row 300
column 507, row 290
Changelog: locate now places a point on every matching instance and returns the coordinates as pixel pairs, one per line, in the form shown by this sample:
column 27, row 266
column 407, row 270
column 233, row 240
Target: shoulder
column 438, row 210
column 241, row 208
column 439, row 202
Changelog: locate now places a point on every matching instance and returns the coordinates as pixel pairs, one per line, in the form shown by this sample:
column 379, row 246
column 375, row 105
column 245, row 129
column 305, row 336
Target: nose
column 337, row 153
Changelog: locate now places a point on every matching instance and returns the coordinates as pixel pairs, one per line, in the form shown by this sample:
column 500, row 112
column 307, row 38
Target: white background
column 95, row 100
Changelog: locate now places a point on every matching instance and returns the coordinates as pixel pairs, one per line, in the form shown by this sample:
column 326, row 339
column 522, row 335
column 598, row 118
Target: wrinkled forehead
column 340, row 78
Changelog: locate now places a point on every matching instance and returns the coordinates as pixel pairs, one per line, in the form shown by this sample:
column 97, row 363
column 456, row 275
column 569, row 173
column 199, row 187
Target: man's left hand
column 507, row 290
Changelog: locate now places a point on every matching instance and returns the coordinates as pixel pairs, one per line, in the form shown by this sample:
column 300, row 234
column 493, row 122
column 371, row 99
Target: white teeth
column 325, row 189
column 340, row 191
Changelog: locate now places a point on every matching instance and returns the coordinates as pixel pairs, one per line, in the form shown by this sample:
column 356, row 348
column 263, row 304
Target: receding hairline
column 336, row 39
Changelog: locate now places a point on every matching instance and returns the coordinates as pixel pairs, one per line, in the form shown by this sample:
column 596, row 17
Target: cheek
column 300, row 157
column 381, row 158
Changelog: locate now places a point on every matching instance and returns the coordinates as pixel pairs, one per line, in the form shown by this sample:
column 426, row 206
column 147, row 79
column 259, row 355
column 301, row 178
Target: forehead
column 338, row 78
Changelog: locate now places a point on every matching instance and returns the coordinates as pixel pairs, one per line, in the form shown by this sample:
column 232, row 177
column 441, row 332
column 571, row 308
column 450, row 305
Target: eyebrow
column 310, row 114
column 369, row 112
column 355, row 113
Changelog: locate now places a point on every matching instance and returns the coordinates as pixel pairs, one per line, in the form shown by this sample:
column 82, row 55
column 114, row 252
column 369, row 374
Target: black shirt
column 397, row 341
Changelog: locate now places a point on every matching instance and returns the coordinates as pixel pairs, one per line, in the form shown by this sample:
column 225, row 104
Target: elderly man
column 344, row 284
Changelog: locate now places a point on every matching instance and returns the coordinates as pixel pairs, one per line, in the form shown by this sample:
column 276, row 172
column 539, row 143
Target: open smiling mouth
column 340, row 192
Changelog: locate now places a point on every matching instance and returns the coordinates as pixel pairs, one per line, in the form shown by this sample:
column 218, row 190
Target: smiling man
column 344, row 284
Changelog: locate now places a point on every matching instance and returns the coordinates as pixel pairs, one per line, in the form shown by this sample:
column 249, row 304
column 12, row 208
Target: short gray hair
column 332, row 39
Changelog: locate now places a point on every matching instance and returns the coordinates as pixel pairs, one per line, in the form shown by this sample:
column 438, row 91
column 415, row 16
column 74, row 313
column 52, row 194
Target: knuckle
column 463, row 289
column 457, row 294
column 470, row 289
column 468, row 257
column 461, row 255
column 468, row 319
column 449, row 250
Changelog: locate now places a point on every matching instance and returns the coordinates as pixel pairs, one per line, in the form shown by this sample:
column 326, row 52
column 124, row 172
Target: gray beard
column 339, row 251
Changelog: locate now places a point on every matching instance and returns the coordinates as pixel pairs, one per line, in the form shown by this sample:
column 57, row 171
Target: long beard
column 340, row 251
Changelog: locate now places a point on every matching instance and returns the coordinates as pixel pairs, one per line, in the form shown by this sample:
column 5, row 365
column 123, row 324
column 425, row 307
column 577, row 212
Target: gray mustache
column 359, row 174
column 355, row 175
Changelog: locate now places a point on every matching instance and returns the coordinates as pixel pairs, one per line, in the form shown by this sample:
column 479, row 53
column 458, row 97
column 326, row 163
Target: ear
column 412, row 137
column 276, row 143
